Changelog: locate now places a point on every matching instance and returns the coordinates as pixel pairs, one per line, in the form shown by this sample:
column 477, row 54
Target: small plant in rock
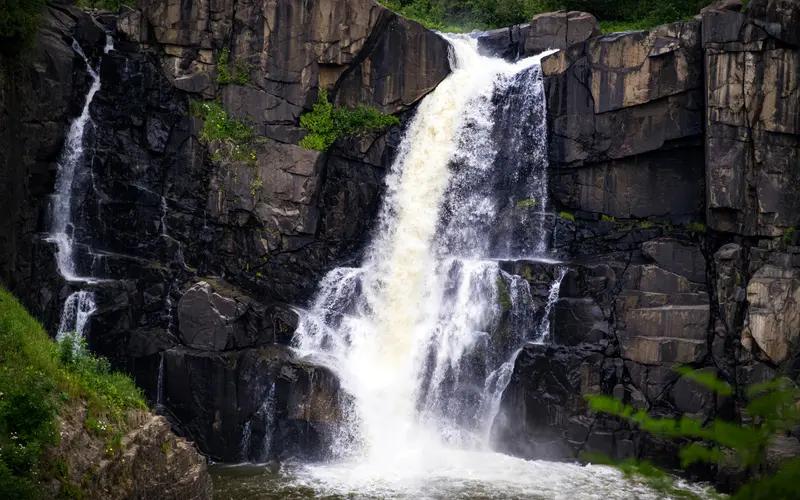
column 607, row 218
column 567, row 216
column 235, row 140
column 529, row 203
column 228, row 72
column 503, row 295
column 695, row 227
column 327, row 124
column 787, row 236
column 646, row 224
column 772, row 411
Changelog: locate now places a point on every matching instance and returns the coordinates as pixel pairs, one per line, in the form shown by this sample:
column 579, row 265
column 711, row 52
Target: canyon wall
column 196, row 259
column 674, row 161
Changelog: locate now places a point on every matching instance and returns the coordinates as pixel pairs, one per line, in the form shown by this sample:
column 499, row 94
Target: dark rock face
column 197, row 258
column 653, row 135
column 753, row 118
column 552, row 30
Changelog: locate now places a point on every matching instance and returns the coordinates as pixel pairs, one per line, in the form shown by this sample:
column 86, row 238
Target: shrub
column 19, row 20
column 614, row 15
column 772, row 410
column 327, row 124
column 787, row 236
column 227, row 72
column 237, row 139
column 112, row 5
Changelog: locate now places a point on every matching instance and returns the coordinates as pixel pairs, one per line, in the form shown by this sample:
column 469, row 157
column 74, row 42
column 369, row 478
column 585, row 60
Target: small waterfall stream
column 71, row 177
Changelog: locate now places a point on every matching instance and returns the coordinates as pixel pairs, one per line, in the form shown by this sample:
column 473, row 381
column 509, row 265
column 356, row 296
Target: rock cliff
column 198, row 259
column 674, row 150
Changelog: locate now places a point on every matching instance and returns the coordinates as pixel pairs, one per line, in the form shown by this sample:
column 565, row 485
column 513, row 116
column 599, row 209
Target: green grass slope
column 41, row 380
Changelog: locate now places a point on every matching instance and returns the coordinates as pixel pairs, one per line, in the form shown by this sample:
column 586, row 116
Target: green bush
column 112, row 5
column 772, row 410
column 237, row 139
column 227, row 72
column 326, row 124
column 37, row 376
column 614, row 15
column 19, row 20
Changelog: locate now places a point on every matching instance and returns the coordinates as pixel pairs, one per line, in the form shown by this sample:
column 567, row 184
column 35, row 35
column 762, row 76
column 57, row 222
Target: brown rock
column 773, row 318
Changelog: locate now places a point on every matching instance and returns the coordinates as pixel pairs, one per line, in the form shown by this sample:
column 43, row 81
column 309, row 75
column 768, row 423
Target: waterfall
column 70, row 164
column 160, row 386
column 81, row 304
column 267, row 413
column 427, row 323
column 75, row 315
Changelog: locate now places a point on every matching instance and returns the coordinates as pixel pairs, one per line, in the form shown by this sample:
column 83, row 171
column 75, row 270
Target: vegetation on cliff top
column 327, row 124
column 772, row 411
column 614, row 15
column 19, row 20
column 39, row 378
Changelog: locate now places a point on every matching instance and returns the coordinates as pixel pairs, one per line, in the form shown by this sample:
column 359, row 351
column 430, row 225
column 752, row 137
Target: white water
column 160, row 385
column 80, row 305
column 75, row 315
column 429, row 316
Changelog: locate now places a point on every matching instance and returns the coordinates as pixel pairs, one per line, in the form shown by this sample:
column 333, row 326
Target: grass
column 327, row 124
column 235, row 139
column 37, row 379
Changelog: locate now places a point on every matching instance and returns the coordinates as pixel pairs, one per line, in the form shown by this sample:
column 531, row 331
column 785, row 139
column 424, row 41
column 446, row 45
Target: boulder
column 773, row 317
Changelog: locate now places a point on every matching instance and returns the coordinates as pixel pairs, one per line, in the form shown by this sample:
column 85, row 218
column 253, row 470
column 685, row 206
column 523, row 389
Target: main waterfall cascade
column 72, row 176
column 415, row 330
column 424, row 335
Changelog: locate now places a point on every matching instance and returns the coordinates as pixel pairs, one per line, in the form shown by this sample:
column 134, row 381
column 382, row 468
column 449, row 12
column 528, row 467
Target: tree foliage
column 772, row 410
column 326, row 123
column 614, row 15
column 19, row 20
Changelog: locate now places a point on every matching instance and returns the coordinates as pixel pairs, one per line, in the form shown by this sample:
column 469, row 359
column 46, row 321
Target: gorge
column 420, row 311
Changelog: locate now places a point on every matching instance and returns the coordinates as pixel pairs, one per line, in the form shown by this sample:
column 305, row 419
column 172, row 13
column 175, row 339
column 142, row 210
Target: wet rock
column 552, row 30
column 677, row 257
column 752, row 139
column 773, row 322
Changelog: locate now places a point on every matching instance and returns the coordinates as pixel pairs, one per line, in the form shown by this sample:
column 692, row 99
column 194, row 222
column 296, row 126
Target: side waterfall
column 71, row 172
column 425, row 333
